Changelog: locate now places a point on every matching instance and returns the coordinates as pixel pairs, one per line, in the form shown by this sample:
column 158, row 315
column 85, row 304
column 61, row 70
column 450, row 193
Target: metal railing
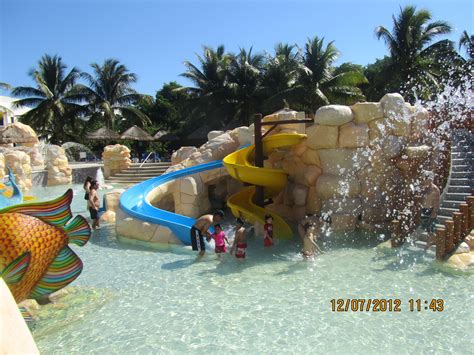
column 148, row 156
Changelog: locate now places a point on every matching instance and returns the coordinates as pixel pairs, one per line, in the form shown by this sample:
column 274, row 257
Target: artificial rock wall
column 357, row 164
column 59, row 171
column 116, row 158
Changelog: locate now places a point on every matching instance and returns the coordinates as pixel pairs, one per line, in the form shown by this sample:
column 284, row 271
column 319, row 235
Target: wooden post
column 457, row 219
column 259, row 191
column 449, row 246
column 464, row 208
column 440, row 243
column 470, row 204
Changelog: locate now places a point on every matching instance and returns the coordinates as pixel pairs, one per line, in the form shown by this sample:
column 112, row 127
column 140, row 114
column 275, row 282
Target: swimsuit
column 241, row 249
column 197, row 240
column 220, row 244
column 94, row 213
column 268, row 242
column 427, row 222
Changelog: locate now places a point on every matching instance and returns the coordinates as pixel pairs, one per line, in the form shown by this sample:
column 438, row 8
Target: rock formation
column 59, row 172
column 116, row 158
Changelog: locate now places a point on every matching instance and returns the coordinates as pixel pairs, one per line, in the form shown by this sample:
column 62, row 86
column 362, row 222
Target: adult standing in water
column 429, row 209
column 94, row 204
column 201, row 227
column 87, row 186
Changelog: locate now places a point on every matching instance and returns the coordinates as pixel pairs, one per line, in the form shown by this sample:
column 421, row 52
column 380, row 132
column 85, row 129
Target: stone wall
column 2, row 166
column 19, row 163
column 59, row 171
column 116, row 158
column 359, row 164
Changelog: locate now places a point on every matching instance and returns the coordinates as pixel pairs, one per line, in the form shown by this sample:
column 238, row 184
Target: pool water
column 273, row 302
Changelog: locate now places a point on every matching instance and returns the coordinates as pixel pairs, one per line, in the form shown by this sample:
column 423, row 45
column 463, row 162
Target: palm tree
column 317, row 83
column 54, row 105
column 110, row 96
column 467, row 41
column 245, row 79
column 210, row 94
column 279, row 74
column 414, row 54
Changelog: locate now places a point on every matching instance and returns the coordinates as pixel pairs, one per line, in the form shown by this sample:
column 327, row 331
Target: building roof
column 7, row 102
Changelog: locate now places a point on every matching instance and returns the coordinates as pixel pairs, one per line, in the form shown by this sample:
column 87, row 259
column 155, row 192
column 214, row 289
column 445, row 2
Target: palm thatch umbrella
column 137, row 134
column 104, row 134
column 18, row 133
column 160, row 134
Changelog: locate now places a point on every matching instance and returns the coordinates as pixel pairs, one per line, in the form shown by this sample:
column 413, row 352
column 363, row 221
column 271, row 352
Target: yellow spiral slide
column 239, row 165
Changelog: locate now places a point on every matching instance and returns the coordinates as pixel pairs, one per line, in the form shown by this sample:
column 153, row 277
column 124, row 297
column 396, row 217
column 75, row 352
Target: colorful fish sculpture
column 35, row 259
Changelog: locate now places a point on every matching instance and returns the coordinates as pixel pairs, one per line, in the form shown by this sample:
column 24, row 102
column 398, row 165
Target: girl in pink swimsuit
column 219, row 239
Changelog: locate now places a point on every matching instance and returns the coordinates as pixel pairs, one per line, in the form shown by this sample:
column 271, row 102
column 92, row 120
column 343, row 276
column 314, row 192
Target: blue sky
column 153, row 38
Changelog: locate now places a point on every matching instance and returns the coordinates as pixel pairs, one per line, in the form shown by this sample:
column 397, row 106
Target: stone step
column 463, row 168
column 132, row 176
column 456, row 196
column 121, row 179
column 451, row 203
column 461, row 182
column 145, row 171
column 462, row 175
column 442, row 219
column 137, row 165
column 462, row 154
column 447, row 211
column 464, row 161
column 460, row 189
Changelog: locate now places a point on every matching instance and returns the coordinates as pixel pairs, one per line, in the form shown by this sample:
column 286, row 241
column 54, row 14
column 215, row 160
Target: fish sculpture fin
column 55, row 212
column 15, row 271
column 78, row 231
column 64, row 269
column 26, row 315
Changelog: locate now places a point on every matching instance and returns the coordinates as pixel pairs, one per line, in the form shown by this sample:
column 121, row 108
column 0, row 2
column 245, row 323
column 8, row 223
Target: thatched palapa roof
column 104, row 134
column 137, row 134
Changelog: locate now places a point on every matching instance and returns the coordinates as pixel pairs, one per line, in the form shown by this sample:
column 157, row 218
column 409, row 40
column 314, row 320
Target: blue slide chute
column 134, row 202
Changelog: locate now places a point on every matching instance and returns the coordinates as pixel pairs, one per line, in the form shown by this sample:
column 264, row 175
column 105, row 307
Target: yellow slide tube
column 240, row 167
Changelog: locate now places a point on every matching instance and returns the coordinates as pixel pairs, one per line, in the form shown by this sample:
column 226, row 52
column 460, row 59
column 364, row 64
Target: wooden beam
column 457, row 219
column 440, row 243
column 449, row 246
column 464, row 208
column 271, row 123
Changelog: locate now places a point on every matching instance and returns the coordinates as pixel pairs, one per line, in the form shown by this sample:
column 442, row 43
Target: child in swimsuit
column 268, row 231
column 219, row 239
column 240, row 240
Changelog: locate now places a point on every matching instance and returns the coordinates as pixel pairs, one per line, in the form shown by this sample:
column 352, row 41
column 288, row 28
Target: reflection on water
column 272, row 302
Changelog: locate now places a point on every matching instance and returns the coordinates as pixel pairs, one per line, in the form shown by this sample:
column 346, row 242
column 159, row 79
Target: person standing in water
column 94, row 204
column 429, row 210
column 220, row 239
column 240, row 240
column 201, row 228
column 268, row 231
column 87, row 186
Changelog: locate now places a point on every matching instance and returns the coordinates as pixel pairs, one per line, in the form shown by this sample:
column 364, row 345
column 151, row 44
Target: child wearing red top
column 268, row 231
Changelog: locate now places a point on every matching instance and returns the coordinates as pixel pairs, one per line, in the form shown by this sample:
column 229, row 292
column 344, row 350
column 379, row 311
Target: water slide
column 239, row 165
column 134, row 201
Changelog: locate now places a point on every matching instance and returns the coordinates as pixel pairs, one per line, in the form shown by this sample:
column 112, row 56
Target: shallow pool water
column 163, row 302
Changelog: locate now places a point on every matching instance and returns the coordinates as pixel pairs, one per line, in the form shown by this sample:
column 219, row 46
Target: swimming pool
column 160, row 302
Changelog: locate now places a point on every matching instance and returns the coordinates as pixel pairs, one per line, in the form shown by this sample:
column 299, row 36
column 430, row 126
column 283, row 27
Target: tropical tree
column 110, row 96
column 467, row 41
column 318, row 84
column 54, row 105
column 210, row 93
column 245, row 78
column 415, row 55
column 279, row 74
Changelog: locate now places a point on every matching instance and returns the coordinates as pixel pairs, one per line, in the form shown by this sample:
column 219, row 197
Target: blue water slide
column 133, row 201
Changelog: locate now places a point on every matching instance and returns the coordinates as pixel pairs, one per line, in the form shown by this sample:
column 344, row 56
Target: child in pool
column 240, row 240
column 219, row 239
column 268, row 231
